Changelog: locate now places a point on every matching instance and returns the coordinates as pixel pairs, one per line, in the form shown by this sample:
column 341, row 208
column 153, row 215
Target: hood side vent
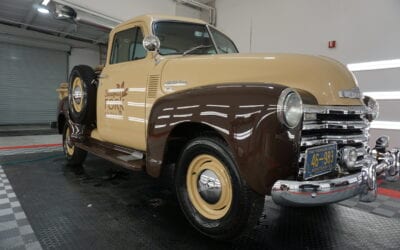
column 152, row 86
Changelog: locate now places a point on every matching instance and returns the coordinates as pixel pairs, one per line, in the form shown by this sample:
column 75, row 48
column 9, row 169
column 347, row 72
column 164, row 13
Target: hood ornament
column 353, row 93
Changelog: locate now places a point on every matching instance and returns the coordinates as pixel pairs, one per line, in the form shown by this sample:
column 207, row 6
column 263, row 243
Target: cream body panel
column 321, row 76
column 95, row 134
column 128, row 118
column 121, row 98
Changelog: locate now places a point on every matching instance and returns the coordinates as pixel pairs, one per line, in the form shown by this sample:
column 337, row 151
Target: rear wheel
column 73, row 154
column 213, row 196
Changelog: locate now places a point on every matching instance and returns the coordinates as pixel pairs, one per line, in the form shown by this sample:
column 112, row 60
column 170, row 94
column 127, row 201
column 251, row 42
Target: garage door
column 29, row 78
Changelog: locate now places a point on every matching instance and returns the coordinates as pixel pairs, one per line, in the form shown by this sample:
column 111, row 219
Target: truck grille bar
column 343, row 125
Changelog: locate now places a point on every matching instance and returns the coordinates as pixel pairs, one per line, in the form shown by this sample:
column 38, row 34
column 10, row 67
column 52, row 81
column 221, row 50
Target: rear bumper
column 315, row 193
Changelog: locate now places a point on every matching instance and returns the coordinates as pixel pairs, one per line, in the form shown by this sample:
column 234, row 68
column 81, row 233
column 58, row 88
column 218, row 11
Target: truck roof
column 149, row 18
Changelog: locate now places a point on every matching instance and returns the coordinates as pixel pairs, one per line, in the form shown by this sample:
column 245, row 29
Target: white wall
column 83, row 56
column 127, row 9
column 365, row 30
column 187, row 11
column 190, row 11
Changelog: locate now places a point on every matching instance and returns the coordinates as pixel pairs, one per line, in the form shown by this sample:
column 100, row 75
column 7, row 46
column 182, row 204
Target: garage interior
column 45, row 204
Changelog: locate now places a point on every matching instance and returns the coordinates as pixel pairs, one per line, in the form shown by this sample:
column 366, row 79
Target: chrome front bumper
column 315, row 193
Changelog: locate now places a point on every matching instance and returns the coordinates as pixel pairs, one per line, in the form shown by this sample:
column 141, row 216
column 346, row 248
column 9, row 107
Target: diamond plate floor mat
column 101, row 206
column 15, row 230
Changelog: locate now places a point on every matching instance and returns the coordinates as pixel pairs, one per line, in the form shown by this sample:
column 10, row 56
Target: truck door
column 122, row 89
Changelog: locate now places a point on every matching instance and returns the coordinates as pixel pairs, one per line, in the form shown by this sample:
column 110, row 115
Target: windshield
column 224, row 44
column 187, row 38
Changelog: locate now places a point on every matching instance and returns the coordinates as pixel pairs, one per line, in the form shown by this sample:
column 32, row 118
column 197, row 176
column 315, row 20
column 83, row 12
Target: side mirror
column 151, row 43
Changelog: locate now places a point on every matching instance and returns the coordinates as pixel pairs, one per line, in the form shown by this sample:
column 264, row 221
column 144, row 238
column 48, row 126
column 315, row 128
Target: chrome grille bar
column 310, row 125
column 326, row 139
column 356, row 110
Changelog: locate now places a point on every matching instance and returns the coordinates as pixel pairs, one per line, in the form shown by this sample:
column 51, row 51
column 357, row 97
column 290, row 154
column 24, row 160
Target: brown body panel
column 245, row 115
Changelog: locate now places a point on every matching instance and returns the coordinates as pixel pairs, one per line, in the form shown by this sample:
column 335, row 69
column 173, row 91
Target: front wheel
column 213, row 196
column 74, row 155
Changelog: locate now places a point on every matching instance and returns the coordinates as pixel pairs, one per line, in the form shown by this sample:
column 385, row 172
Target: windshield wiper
column 202, row 46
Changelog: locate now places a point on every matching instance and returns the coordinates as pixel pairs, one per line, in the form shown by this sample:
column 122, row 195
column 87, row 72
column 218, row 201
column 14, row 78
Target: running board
column 124, row 157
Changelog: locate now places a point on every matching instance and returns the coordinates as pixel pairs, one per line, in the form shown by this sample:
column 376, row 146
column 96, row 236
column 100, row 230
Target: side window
column 139, row 52
column 127, row 46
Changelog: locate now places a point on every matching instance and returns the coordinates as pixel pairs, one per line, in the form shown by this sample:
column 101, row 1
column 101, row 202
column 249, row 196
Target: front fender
column 244, row 115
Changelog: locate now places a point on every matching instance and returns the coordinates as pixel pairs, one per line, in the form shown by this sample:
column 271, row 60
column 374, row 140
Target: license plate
column 320, row 160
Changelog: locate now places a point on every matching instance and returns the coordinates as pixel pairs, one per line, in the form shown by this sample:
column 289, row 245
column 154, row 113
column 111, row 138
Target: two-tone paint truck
column 176, row 96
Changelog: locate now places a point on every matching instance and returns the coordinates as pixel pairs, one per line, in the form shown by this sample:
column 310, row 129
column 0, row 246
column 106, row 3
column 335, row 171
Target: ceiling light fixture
column 43, row 10
column 45, row 2
column 386, row 64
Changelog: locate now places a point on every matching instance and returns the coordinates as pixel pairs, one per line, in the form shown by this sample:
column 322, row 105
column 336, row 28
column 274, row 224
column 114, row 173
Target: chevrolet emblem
column 353, row 93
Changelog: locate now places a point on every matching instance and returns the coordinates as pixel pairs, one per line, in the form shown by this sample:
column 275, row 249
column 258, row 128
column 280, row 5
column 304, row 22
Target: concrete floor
column 27, row 130
column 102, row 206
column 29, row 140
column 23, row 135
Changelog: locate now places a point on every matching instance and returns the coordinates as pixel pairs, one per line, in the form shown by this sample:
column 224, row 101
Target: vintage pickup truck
column 175, row 98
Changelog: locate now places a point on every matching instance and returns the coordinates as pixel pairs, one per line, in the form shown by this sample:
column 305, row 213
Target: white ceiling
column 24, row 14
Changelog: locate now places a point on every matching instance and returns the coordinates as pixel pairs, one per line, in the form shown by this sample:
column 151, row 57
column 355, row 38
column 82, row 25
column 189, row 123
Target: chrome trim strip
column 309, row 125
column 213, row 40
column 315, row 142
column 335, row 137
column 336, row 109
column 178, row 83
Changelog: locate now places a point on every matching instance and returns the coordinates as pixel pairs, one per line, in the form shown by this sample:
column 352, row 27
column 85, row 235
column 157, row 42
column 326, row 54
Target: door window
column 127, row 46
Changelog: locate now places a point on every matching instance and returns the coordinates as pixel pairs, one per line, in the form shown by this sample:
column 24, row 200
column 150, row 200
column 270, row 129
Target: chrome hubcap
column 209, row 186
column 77, row 94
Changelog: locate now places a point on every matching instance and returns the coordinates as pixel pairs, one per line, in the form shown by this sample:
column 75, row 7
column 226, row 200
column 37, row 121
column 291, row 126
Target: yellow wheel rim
column 69, row 147
column 77, row 94
column 209, row 187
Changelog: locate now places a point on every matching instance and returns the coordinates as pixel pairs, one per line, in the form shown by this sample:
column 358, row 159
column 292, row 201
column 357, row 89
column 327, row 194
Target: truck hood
column 321, row 76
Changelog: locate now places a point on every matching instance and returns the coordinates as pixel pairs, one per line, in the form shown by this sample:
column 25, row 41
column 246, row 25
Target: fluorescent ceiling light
column 43, row 10
column 386, row 125
column 386, row 64
column 384, row 95
column 45, row 2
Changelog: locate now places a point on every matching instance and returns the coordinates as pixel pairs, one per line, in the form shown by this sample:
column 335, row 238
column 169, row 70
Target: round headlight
column 373, row 106
column 290, row 108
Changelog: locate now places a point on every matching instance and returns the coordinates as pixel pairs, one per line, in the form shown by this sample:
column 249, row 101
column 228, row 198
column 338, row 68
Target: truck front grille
column 343, row 125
